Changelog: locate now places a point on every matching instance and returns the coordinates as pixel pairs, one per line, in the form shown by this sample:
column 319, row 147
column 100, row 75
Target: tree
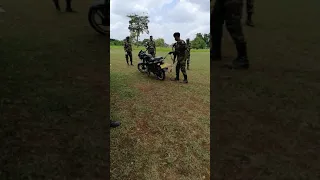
column 160, row 42
column 206, row 38
column 138, row 25
column 198, row 42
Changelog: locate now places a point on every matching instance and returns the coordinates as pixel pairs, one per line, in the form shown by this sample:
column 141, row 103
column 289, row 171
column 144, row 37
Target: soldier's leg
column 68, row 6
column 130, row 55
column 183, row 70
column 127, row 56
column 217, row 21
column 57, row 5
column 234, row 26
column 178, row 67
column 188, row 61
column 250, row 11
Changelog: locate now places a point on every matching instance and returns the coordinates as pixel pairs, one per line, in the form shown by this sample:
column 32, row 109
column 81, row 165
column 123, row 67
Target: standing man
column 151, row 47
column 181, row 52
column 68, row 5
column 188, row 53
column 128, row 50
column 249, row 6
column 229, row 12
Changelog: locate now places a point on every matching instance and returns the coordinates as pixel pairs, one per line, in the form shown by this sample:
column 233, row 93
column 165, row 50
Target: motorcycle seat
column 157, row 58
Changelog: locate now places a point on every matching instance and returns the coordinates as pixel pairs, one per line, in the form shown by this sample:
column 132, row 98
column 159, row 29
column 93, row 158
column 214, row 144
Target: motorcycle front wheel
column 98, row 20
column 142, row 68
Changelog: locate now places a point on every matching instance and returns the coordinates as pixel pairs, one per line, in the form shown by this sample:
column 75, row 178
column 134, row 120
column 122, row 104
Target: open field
column 266, row 120
column 54, row 94
column 165, row 124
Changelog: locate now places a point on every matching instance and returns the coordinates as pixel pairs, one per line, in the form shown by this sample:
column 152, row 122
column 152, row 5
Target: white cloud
column 166, row 17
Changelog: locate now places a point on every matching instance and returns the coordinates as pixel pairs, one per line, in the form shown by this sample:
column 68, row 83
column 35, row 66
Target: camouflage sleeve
column 124, row 45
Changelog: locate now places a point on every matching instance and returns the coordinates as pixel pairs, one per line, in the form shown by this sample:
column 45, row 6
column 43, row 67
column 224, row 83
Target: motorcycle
column 155, row 65
column 98, row 16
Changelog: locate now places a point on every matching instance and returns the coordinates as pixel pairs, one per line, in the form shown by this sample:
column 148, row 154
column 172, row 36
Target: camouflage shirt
column 151, row 44
column 127, row 46
column 189, row 47
column 181, row 48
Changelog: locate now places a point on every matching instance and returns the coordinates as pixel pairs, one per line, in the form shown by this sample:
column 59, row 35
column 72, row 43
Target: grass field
column 266, row 120
column 165, row 124
column 54, row 94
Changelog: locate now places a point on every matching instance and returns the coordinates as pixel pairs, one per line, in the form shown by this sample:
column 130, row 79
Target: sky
column 166, row 17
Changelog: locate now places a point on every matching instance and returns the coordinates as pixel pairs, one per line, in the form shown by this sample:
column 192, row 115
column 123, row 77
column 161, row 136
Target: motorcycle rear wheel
column 96, row 11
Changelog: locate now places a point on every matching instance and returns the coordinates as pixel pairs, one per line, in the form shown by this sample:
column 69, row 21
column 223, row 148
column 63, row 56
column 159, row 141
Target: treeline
column 201, row 41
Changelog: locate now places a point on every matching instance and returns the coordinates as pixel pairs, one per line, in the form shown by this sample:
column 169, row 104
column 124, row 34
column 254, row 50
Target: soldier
column 188, row 53
column 128, row 50
column 230, row 12
column 68, row 5
column 151, row 47
column 249, row 7
column 181, row 53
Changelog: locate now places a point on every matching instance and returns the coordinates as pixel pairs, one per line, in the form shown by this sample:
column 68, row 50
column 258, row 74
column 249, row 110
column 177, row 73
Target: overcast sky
column 166, row 17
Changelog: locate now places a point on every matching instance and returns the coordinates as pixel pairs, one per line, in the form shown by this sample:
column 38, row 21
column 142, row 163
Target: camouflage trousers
column 181, row 65
column 230, row 13
column 250, row 6
column 188, row 59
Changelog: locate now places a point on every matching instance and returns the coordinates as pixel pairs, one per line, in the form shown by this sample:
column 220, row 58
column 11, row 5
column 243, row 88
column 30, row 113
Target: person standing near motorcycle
column 128, row 50
column 151, row 47
column 188, row 53
column 68, row 5
column 181, row 52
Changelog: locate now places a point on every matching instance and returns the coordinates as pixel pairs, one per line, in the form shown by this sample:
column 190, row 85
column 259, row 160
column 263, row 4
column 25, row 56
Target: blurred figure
column 68, row 5
column 151, row 47
column 188, row 52
column 230, row 13
column 250, row 11
column 128, row 50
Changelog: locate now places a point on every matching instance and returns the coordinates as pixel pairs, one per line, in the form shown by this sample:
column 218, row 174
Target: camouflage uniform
column 188, row 53
column 151, row 48
column 229, row 12
column 250, row 11
column 181, row 53
column 128, row 49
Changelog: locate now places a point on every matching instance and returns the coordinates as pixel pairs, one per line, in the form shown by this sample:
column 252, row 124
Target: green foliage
column 115, row 42
column 138, row 24
column 199, row 42
column 160, row 42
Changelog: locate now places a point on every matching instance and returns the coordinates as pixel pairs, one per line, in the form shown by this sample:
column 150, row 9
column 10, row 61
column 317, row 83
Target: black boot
column 177, row 77
column 57, row 5
column 68, row 6
column 188, row 67
column 249, row 21
column 185, row 79
column 114, row 124
column 241, row 62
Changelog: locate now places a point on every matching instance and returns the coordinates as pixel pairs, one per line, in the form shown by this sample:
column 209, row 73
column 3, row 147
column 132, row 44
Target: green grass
column 165, row 125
